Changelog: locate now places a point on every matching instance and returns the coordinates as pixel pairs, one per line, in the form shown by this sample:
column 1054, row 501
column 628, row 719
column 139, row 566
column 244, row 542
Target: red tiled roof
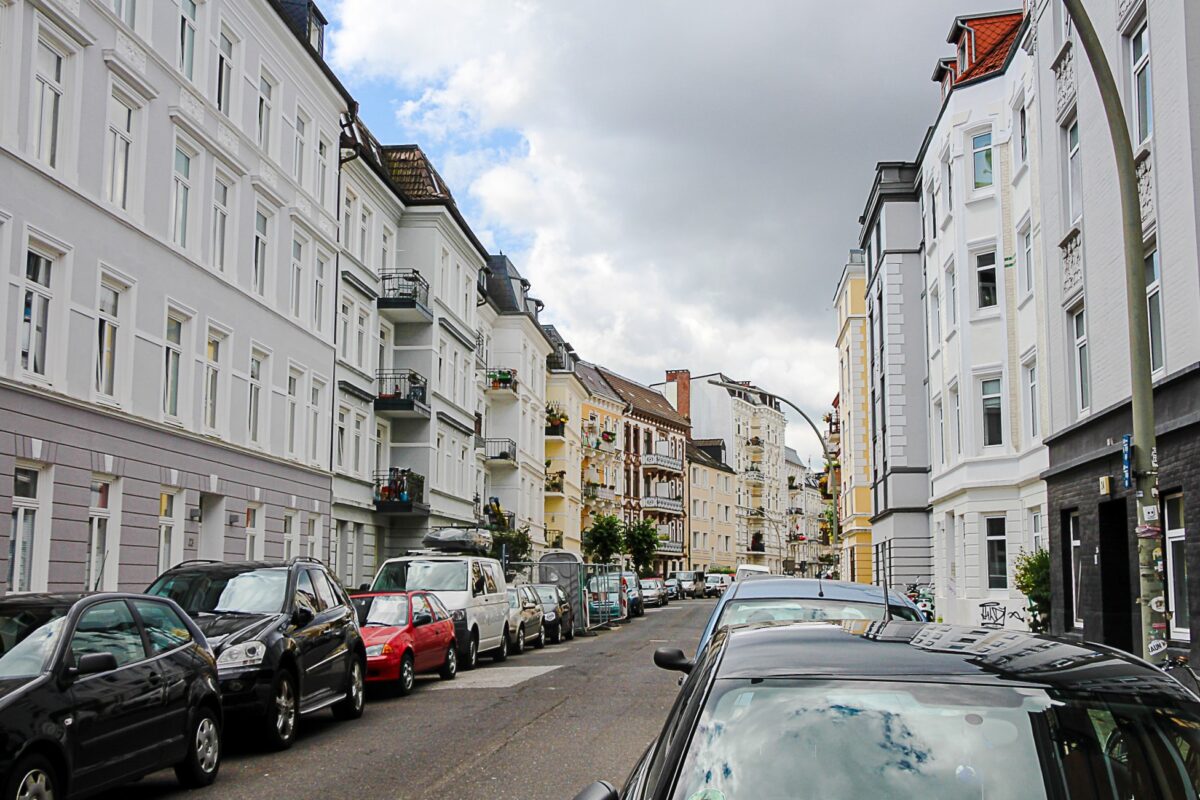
column 412, row 171
column 645, row 400
column 995, row 37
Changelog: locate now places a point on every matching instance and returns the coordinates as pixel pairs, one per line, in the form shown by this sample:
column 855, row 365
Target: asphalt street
column 539, row 727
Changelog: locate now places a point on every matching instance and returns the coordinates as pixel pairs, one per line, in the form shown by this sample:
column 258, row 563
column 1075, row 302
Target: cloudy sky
column 680, row 179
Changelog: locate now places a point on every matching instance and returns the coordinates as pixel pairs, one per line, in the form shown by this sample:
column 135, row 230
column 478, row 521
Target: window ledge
column 983, row 315
column 980, row 196
column 1024, row 301
column 1021, row 172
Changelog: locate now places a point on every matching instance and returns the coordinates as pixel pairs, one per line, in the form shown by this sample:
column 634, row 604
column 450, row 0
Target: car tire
column 450, row 667
column 501, row 652
column 558, row 634
column 570, row 630
column 283, row 712
column 199, row 767
column 541, row 640
column 407, row 678
column 356, row 699
column 471, row 661
column 35, row 776
column 520, row 642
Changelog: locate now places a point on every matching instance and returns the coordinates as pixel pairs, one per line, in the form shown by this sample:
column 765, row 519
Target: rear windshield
column 255, row 591
column 389, row 610
column 434, row 576
column 28, row 635
column 806, row 609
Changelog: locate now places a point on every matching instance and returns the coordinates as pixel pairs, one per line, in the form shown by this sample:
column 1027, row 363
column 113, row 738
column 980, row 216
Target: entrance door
column 1116, row 586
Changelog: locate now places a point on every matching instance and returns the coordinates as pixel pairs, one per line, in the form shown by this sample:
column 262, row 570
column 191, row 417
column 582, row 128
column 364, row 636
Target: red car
column 406, row 633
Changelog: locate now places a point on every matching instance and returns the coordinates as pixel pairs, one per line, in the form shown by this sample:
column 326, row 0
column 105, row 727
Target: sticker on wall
column 1156, row 646
column 1158, row 605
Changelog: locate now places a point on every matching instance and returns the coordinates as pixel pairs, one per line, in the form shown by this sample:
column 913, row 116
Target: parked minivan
column 715, row 584
column 750, row 571
column 472, row 588
column 691, row 584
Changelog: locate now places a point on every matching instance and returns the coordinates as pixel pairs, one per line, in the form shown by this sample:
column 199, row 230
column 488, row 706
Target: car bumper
column 383, row 668
column 246, row 691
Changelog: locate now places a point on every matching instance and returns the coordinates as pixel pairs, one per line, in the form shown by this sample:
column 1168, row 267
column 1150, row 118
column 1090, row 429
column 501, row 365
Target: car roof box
column 473, row 541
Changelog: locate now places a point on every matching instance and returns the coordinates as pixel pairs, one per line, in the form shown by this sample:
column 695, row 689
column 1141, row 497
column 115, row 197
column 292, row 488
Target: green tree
column 604, row 539
column 1032, row 578
column 641, row 542
column 509, row 545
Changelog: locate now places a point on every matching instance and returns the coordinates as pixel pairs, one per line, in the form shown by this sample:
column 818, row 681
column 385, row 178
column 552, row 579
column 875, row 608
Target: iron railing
column 398, row 489
column 401, row 384
column 500, row 450
column 404, row 285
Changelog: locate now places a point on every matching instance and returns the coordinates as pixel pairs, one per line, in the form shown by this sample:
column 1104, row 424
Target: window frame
column 222, row 213
column 226, row 83
column 998, row 398
column 186, row 50
column 35, row 294
column 260, row 258
column 214, row 367
column 1074, row 181
column 980, row 268
column 56, row 85
column 1172, row 536
column 173, row 354
column 1152, row 265
column 978, row 150
column 181, row 217
column 992, row 539
column 115, row 138
column 108, row 329
column 99, row 573
column 1142, row 112
column 170, row 527
column 1080, row 360
column 265, row 110
column 1029, row 387
column 35, row 506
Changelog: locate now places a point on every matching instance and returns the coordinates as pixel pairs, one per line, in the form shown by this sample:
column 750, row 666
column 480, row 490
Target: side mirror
column 600, row 790
column 672, row 658
column 422, row 618
column 92, row 663
column 302, row 616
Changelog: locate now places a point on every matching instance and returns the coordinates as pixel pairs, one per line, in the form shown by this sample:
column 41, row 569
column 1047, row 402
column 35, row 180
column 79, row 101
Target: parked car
column 779, row 599
column 917, row 710
column 557, row 616
column 285, row 635
column 471, row 587
column 715, row 584
column 606, row 601
column 637, row 604
column 406, row 633
column 654, row 593
column 98, row 690
column 691, row 584
column 525, row 618
column 672, row 585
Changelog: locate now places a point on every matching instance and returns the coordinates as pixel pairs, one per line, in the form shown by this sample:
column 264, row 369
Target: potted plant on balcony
column 608, row 436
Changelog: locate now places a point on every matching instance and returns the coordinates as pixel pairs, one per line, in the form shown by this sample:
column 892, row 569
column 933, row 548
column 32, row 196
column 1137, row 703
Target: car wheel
column 501, row 652
column 33, row 778
column 199, row 767
column 472, row 655
column 450, row 667
column 541, row 640
column 352, row 706
column 283, row 712
column 520, row 648
column 570, row 630
column 558, row 633
column 408, row 676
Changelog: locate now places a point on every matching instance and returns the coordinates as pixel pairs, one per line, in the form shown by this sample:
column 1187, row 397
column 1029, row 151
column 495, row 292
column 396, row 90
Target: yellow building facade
column 849, row 425
column 712, row 508
column 601, row 426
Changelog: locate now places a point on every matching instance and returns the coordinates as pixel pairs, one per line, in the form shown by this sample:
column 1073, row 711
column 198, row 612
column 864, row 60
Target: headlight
column 459, row 615
column 550, row 616
column 249, row 654
column 375, row 650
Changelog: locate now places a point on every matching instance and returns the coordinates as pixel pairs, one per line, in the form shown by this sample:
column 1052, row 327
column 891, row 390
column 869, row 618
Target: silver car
column 654, row 592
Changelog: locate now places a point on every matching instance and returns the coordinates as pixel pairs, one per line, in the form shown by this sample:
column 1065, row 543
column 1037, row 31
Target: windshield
column 713, row 579
column 547, row 594
column 434, row 576
column 795, row 739
column 27, row 639
column 685, row 576
column 806, row 609
column 390, row 611
column 255, row 591
column 648, row 584
column 607, row 583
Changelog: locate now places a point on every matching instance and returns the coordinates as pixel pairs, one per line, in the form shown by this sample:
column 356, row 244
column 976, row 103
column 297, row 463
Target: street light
column 1145, row 455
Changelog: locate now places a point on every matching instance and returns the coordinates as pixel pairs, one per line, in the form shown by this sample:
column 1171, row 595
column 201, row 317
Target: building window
column 935, row 318
column 107, row 324
column 172, row 359
column 997, row 553
column 312, row 547
column 265, row 91
column 358, row 466
column 364, row 232
column 300, row 150
column 293, row 413
column 1031, row 398
column 1177, row 589
column 254, row 537
column 360, row 340
column 258, row 276
column 1027, row 261
column 340, row 439
column 1154, row 309
column 314, row 422
column 180, row 192
column 254, row 398
column 985, row 276
column 297, row 276
column 1143, row 105
column 220, row 222
column 291, row 536
column 385, row 250
column 48, row 94
column 225, row 74
column 344, row 337
column 212, row 381
column 96, row 564
column 1083, row 382
column 322, row 167
column 120, row 147
column 939, row 431
column 1074, row 175
column 318, row 309
column 981, row 157
column 347, row 216
column 993, row 421
column 1074, row 542
column 1022, row 135
column 35, row 313
column 951, row 297
column 23, row 534
column 187, row 37
column 166, row 531
column 1035, row 529
column 126, row 10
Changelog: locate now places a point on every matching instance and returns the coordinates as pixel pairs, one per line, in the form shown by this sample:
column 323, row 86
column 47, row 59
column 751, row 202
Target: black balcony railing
column 757, row 544
column 501, row 520
column 557, row 429
column 399, row 491
column 401, row 384
column 403, row 288
column 500, row 450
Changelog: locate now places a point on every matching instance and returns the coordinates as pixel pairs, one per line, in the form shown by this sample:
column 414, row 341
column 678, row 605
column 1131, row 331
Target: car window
column 562, row 596
column 478, row 582
column 306, row 593
column 513, row 600
column 439, row 611
column 419, row 606
column 491, row 576
column 108, row 627
column 164, row 628
column 325, row 592
column 806, row 609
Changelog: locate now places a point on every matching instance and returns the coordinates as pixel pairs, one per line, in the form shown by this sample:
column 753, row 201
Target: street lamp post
column 1145, row 457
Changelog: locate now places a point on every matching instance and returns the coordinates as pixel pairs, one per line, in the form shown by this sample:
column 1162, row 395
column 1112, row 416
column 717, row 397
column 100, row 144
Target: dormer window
column 316, row 32
column 962, row 55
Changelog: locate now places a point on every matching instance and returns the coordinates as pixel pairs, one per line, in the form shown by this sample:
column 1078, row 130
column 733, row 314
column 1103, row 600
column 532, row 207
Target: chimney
column 682, row 379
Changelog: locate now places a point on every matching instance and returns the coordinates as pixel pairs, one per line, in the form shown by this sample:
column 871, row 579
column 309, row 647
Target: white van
column 472, row 588
column 750, row 571
column 715, row 584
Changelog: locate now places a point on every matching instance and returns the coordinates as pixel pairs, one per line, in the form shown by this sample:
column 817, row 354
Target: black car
column 911, row 709
column 558, row 618
column 97, row 690
column 285, row 634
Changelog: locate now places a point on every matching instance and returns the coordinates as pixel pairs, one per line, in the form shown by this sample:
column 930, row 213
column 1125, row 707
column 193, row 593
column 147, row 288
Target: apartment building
column 602, row 418
column 712, row 507
column 566, row 396
column 655, row 436
column 809, row 538
column 754, row 424
column 849, row 426
column 981, row 235
column 1149, row 44
column 163, row 393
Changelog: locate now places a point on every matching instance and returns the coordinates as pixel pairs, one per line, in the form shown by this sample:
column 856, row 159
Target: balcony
column 500, row 451
column 501, row 382
column 666, row 505
column 501, row 520
column 401, row 394
column 834, row 433
column 554, row 539
column 555, row 483
column 400, row 491
column 556, row 431
column 754, row 444
column 662, row 462
column 670, row 548
column 404, row 297
column 754, row 476
column 598, row 494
